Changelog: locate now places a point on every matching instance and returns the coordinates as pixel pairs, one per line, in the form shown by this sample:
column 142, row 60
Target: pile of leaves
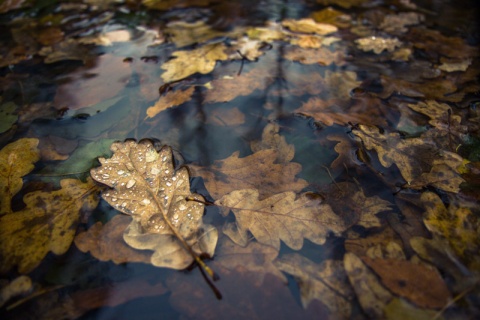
column 334, row 148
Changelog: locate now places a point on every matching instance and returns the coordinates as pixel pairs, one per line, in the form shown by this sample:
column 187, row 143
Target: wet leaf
column 16, row 160
column 399, row 309
column 322, row 56
column 18, row 286
column 48, row 223
column 397, row 23
column 105, row 242
column 255, row 258
column 7, row 116
column 378, row 44
column 326, row 282
column 226, row 117
column 145, row 185
column 258, row 170
column 332, row 16
column 415, row 282
column 371, row 294
column 282, row 217
column 453, row 66
column 458, row 225
column 169, row 100
column 187, row 63
column 309, row 26
column 271, row 139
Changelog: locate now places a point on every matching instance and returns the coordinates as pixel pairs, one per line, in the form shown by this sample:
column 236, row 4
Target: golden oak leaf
column 326, row 282
column 169, row 100
column 145, row 185
column 105, row 242
column 371, row 294
column 309, row 25
column 16, row 160
column 186, row 63
column 458, row 225
column 258, row 171
column 48, row 223
column 282, row 217
column 415, row 282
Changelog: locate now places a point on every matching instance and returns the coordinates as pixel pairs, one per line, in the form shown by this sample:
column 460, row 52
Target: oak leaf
column 145, row 185
column 169, row 100
column 16, row 160
column 282, row 217
column 259, row 171
column 186, row 63
column 105, row 242
column 271, row 139
column 48, row 223
column 326, row 282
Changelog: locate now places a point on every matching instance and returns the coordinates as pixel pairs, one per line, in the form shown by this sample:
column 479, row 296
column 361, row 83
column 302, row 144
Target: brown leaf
column 346, row 149
column 372, row 296
column 280, row 217
column 48, row 223
column 169, row 100
column 271, row 139
column 360, row 245
column 397, row 23
column 16, row 160
column 332, row 16
column 145, row 185
column 326, row 282
column 440, row 89
column 222, row 117
column 322, row 56
column 258, row 170
column 105, row 242
column 415, row 282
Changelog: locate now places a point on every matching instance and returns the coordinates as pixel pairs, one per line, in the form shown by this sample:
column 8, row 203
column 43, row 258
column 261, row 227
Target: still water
column 354, row 123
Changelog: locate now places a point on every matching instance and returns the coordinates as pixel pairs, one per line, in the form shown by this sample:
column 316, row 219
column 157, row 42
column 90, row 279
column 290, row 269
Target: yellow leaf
column 171, row 99
column 309, row 26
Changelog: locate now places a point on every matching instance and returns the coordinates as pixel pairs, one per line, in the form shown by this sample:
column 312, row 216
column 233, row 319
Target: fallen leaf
column 309, row 25
column 282, row 217
column 105, row 242
column 69, row 49
column 440, row 89
column 186, row 63
column 332, row 16
column 453, row 66
column 326, row 282
column 255, row 258
column 258, row 171
column 145, row 185
column 459, row 225
column 415, row 282
column 18, row 286
column 270, row 32
column 16, row 160
column 183, row 33
column 169, row 100
column 399, row 309
column 397, row 23
column 7, row 116
column 346, row 150
column 322, row 56
column 371, row 294
column 313, row 41
column 271, row 139
column 48, row 223
column 378, row 44
column 226, row 117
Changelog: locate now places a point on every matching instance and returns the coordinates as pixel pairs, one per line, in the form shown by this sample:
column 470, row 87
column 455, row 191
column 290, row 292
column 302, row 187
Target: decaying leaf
column 326, row 282
column 415, row 282
column 186, row 63
column 145, row 185
column 48, row 223
column 373, row 297
column 16, row 160
column 169, row 100
column 378, row 44
column 255, row 257
column 105, row 242
column 458, row 225
column 258, row 171
column 280, row 217
column 309, row 26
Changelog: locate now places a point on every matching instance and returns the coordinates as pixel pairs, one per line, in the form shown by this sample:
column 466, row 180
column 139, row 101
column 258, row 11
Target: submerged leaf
column 146, row 186
column 279, row 217
column 16, row 160
column 48, row 223
column 326, row 282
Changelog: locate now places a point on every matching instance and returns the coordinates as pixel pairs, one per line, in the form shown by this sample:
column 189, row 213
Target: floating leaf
column 145, row 185
column 271, row 139
column 309, row 26
column 378, row 44
column 280, row 217
column 415, row 282
column 326, row 282
column 373, row 297
column 396, row 23
column 16, row 160
column 105, row 242
column 258, row 170
column 171, row 99
column 48, row 223
column 186, row 63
